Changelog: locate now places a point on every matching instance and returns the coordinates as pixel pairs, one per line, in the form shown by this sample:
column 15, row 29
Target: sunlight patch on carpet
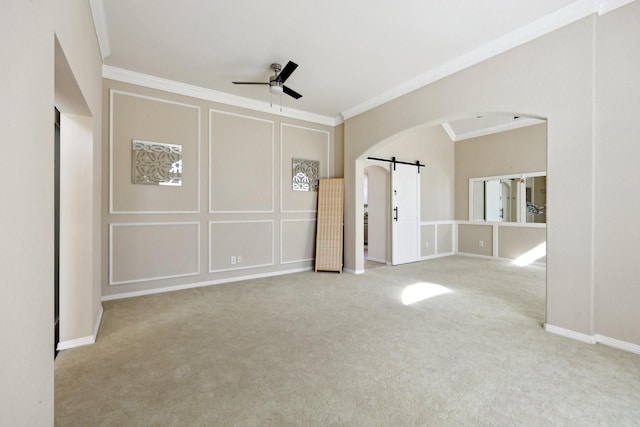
column 422, row 291
column 532, row 255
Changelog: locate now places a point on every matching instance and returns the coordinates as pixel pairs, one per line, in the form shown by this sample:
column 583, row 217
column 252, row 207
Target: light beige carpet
column 323, row 349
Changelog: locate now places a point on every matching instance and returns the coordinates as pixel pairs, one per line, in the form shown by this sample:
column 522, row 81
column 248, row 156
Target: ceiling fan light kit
column 276, row 82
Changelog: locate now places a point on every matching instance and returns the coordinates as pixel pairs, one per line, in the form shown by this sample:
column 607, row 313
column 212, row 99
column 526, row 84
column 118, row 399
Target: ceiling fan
column 276, row 82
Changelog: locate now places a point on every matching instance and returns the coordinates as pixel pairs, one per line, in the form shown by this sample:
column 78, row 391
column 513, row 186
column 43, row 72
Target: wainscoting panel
column 301, row 143
column 445, row 238
column 144, row 118
column 238, row 245
column 152, row 251
column 428, row 236
column 298, row 240
column 516, row 241
column 241, row 163
column 471, row 237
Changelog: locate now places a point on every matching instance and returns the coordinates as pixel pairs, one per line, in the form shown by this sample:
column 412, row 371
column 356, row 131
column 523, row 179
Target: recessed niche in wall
column 155, row 163
column 305, row 175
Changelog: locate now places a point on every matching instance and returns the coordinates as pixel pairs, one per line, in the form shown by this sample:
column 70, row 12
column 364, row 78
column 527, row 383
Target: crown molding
column 562, row 17
column 100, row 24
column 449, row 130
column 606, row 6
column 490, row 130
column 153, row 82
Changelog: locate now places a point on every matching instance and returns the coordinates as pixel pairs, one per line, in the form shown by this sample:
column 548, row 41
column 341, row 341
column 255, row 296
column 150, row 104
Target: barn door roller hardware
column 394, row 161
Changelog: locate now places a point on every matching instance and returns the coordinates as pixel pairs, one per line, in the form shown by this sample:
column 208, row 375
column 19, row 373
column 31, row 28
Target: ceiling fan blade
column 291, row 92
column 250, row 83
column 286, row 71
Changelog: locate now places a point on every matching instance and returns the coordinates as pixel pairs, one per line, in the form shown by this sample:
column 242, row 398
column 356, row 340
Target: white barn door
column 405, row 215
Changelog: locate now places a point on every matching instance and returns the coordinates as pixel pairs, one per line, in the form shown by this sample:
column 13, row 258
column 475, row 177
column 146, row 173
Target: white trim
column 100, row 23
column 78, row 342
column 606, row 6
column 147, row 279
column 435, row 224
column 381, row 261
column 493, row 129
column 282, row 125
column 593, row 339
column 111, row 160
column 440, row 222
column 96, row 327
column 622, row 345
column 350, row 271
column 589, row 339
column 442, row 255
column 282, row 221
column 447, row 128
column 562, row 17
column 201, row 284
column 244, row 267
column 172, row 86
column 470, row 255
column 505, row 224
column 273, row 166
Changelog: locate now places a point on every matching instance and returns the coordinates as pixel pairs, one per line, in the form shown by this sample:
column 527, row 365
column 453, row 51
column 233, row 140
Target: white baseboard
column 470, row 255
column 589, row 339
column 442, row 255
column 78, row 342
column 200, row 284
column 593, row 339
column 622, row 345
column 350, row 271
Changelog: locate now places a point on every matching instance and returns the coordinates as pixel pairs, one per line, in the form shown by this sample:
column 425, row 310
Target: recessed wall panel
column 301, row 143
column 428, row 237
column 475, row 239
column 236, row 245
column 241, row 163
column 445, row 238
column 152, row 251
column 514, row 242
column 298, row 240
column 137, row 117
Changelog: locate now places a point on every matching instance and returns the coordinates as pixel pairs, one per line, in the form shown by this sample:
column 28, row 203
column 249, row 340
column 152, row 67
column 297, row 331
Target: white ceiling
column 352, row 54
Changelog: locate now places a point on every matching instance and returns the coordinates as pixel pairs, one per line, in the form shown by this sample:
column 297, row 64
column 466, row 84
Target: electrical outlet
column 481, row 243
column 239, row 259
column 233, row 260
column 426, row 244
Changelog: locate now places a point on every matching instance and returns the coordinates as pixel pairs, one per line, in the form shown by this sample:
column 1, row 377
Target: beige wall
column 617, row 151
column 28, row 31
column 505, row 153
column 475, row 239
column 590, row 270
column 237, row 211
column 432, row 147
column 516, row 241
column 557, row 85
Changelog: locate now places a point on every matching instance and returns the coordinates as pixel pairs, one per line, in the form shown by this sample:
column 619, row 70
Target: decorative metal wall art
column 155, row 163
column 305, row 175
